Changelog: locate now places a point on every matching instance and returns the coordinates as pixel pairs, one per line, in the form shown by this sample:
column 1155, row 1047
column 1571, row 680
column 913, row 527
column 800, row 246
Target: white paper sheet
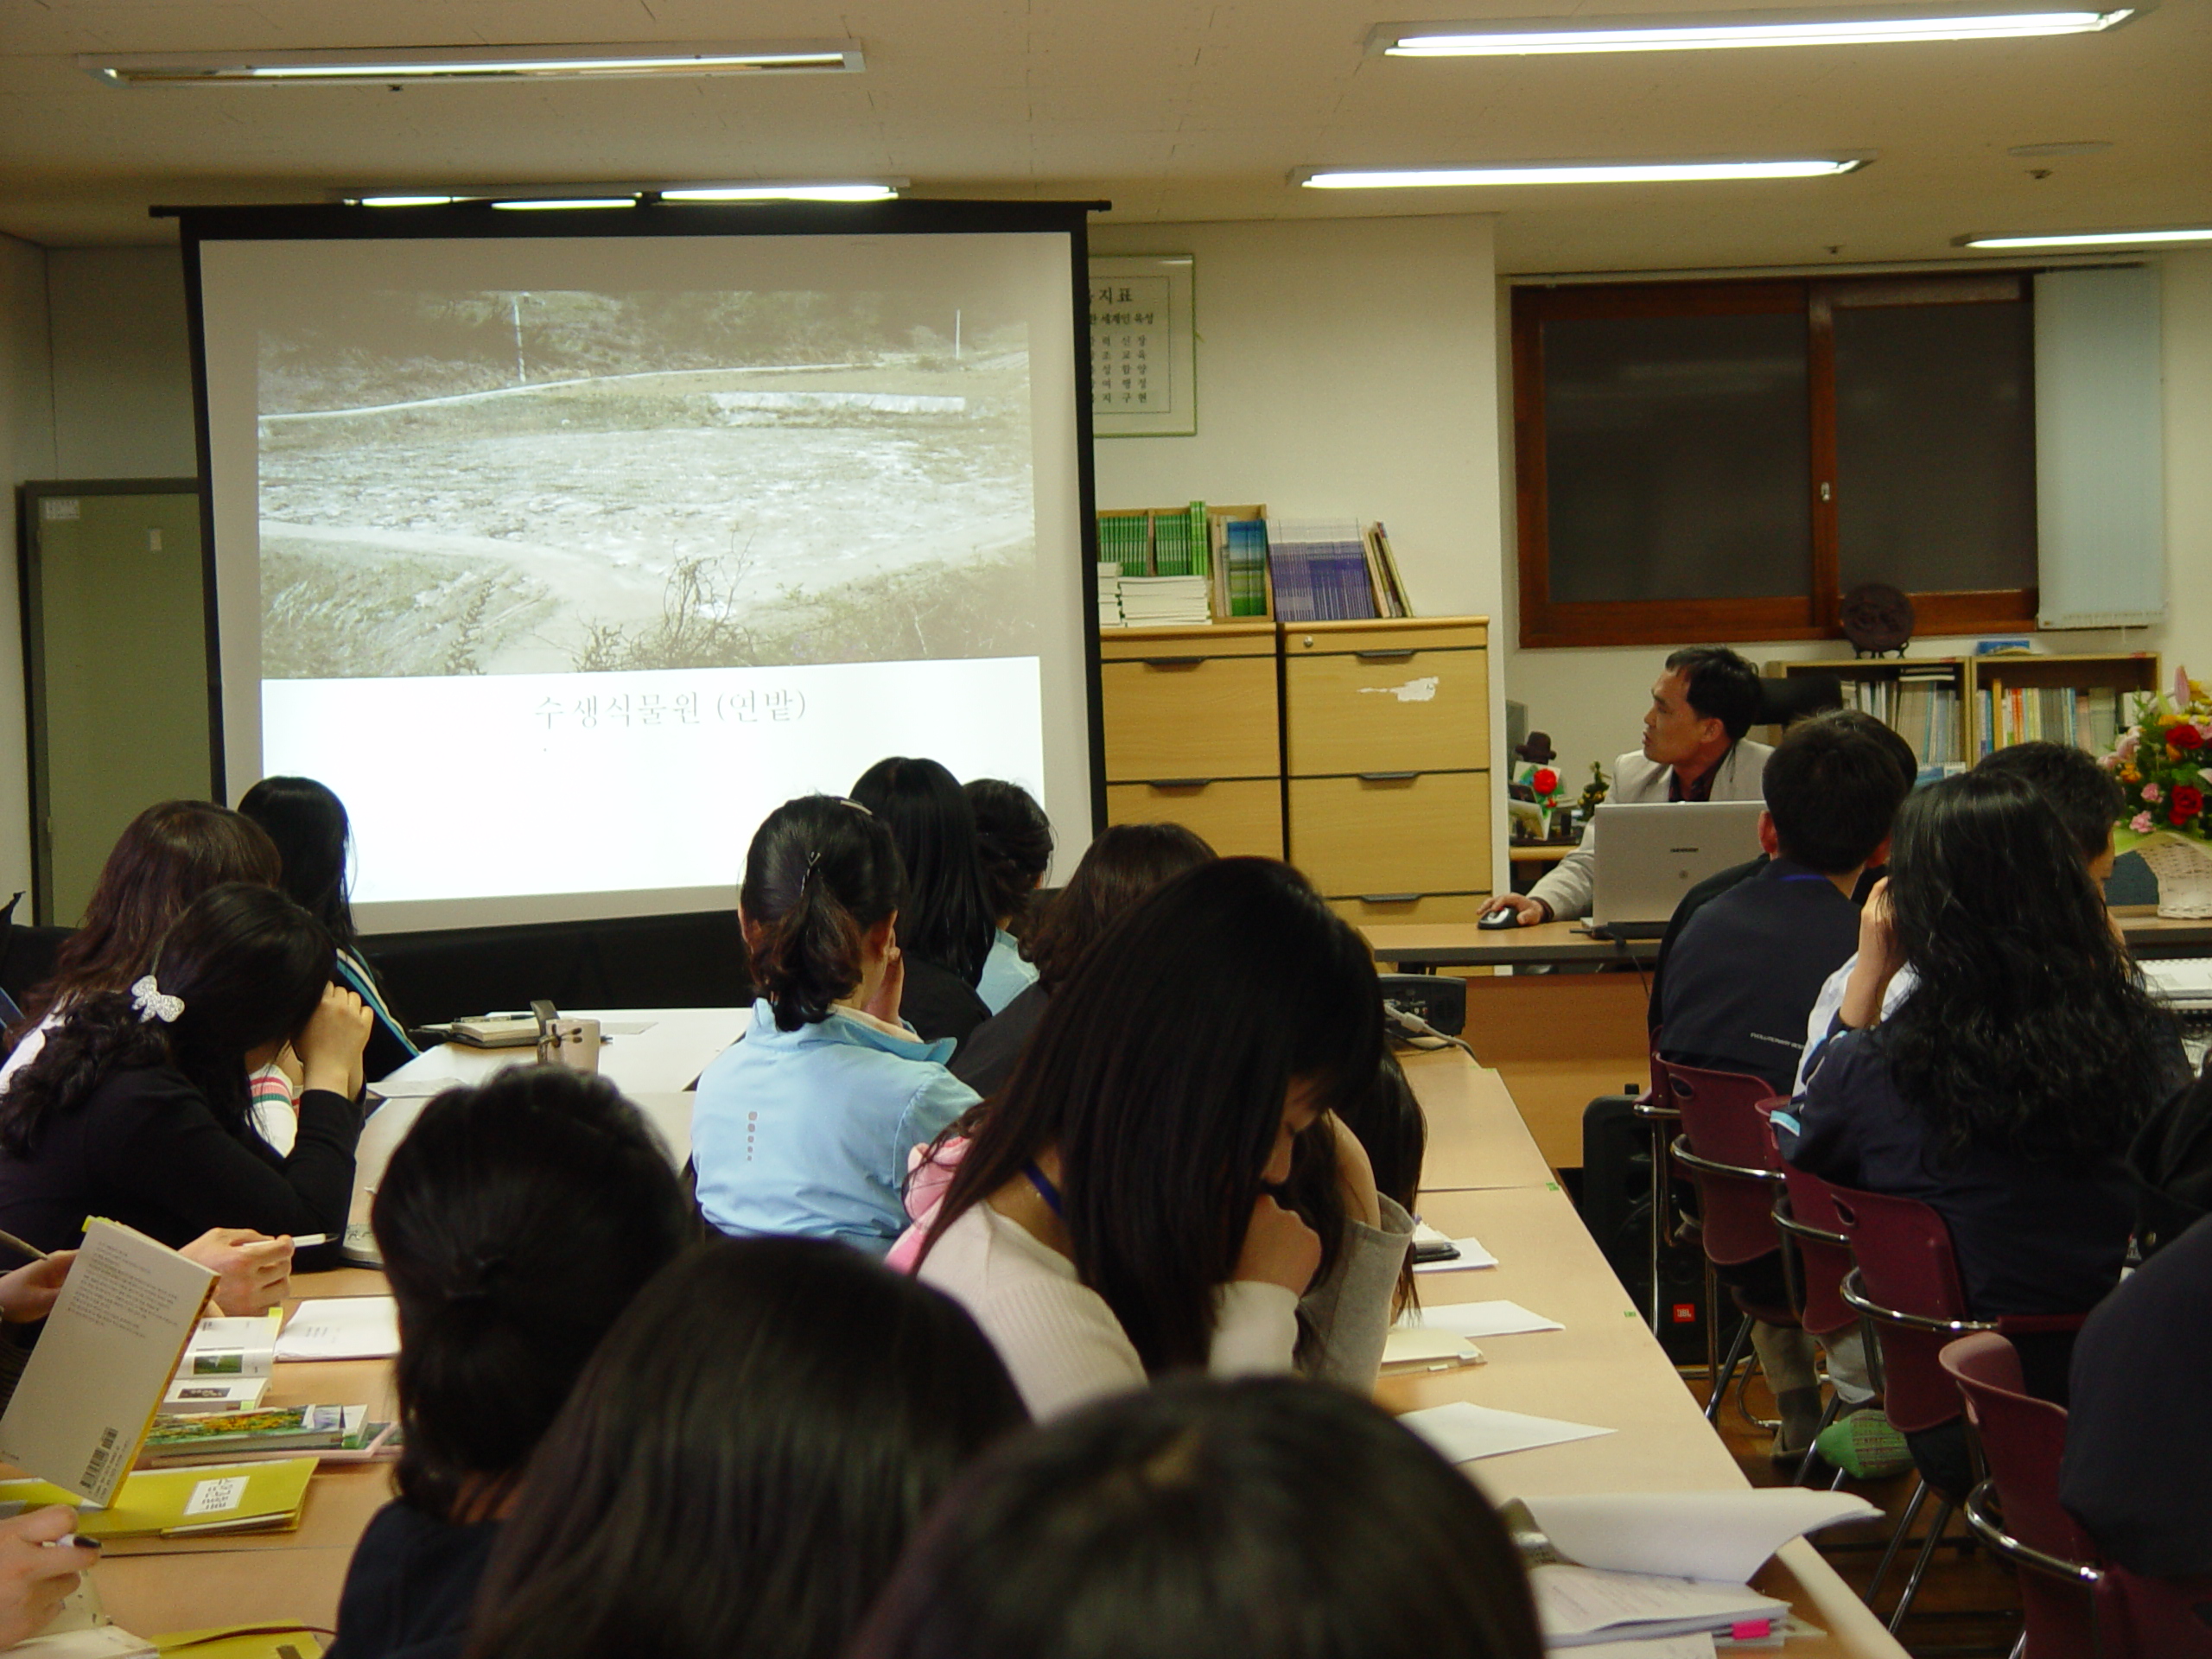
column 1577, row 1604
column 1720, row 1536
column 1474, row 1320
column 1410, row 1345
column 414, row 1087
column 1471, row 1255
column 342, row 1328
column 1464, row 1433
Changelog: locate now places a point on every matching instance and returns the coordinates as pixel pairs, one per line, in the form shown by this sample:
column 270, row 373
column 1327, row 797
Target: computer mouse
column 1498, row 919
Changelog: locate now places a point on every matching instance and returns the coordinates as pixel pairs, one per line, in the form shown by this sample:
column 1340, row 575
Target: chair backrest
column 2023, row 1439
column 1722, row 1121
column 1902, row 1252
column 1821, row 1264
column 2153, row 1618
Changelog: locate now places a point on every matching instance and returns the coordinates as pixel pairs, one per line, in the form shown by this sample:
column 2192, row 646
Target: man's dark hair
column 1833, row 787
column 1722, row 686
column 2086, row 796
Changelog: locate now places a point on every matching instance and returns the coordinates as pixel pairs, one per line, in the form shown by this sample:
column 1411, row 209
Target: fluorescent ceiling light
column 1708, row 32
column 473, row 63
column 2088, row 239
column 404, row 201
column 542, row 204
column 865, row 190
column 1571, row 173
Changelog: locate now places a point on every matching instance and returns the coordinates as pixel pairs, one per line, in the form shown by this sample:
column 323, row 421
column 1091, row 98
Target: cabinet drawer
column 1184, row 717
column 1428, row 907
column 1233, row 817
column 1426, row 633
column 1413, row 710
column 1423, row 835
column 1215, row 639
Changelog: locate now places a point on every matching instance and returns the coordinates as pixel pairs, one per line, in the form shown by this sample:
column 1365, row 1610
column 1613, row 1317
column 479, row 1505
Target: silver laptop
column 1646, row 857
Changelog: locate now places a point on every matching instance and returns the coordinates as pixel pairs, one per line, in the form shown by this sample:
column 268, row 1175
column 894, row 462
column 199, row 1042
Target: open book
column 90, row 1389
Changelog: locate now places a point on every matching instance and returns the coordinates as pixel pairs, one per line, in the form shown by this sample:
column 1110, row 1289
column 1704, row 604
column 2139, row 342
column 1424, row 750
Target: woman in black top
column 948, row 925
column 517, row 1220
column 314, row 840
column 2005, row 1089
column 135, row 1108
column 1121, row 865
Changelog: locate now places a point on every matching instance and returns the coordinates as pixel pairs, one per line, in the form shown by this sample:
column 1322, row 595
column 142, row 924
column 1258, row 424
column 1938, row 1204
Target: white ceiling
column 1170, row 109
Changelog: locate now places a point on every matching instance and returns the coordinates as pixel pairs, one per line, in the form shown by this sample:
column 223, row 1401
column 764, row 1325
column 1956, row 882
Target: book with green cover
column 1171, row 544
column 210, row 1438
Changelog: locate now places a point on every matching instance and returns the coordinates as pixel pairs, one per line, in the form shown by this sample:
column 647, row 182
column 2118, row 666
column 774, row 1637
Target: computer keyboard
column 2184, row 984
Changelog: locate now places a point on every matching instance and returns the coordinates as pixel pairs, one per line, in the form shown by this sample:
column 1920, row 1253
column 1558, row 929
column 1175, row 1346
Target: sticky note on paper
column 217, row 1497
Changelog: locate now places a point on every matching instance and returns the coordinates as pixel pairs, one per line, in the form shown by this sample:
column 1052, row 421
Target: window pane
column 1936, row 480
column 1676, row 457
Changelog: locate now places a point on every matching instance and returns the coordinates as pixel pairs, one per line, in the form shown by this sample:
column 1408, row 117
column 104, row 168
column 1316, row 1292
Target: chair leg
column 1827, row 1416
column 1896, row 1540
column 1724, row 1369
column 1658, row 1226
column 1711, row 1347
column 2020, row 1648
column 1919, row 1566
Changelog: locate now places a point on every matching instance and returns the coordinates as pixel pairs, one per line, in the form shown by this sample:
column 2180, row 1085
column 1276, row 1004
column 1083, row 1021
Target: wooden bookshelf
column 1969, row 676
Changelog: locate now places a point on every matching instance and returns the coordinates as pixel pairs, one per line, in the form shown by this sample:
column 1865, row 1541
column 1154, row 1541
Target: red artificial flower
column 1545, row 781
column 2184, row 736
column 2187, row 802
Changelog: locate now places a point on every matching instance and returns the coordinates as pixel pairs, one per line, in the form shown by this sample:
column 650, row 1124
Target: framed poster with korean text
column 1143, row 379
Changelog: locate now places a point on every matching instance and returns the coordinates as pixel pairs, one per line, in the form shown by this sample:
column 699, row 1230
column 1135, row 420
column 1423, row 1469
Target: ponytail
column 820, row 874
column 100, row 1034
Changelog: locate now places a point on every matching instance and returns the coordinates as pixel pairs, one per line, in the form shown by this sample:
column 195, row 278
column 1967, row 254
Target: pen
column 308, row 1241
column 14, row 1243
column 75, row 1540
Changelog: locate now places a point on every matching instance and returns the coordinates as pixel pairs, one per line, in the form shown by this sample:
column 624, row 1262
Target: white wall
column 27, row 452
column 1592, row 700
column 122, row 363
column 1345, row 369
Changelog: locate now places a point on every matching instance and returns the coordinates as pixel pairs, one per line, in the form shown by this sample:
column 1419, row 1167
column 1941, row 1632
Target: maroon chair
column 2023, row 1440
column 1662, row 1120
column 1805, row 1212
column 1904, row 1283
column 2076, row 1602
column 1727, row 1147
column 2153, row 1618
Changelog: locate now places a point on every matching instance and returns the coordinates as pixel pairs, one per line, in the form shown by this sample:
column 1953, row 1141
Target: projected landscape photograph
column 525, row 482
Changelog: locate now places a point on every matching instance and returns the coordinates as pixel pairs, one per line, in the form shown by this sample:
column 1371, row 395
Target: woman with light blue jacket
column 804, row 1126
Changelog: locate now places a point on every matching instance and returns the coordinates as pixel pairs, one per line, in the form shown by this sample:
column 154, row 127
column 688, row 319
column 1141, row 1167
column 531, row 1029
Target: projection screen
column 564, row 558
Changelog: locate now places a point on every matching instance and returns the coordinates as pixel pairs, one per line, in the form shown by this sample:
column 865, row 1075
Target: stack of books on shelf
column 1922, row 706
column 2091, row 717
column 1163, row 601
column 1110, row 594
column 1243, row 564
column 1333, row 572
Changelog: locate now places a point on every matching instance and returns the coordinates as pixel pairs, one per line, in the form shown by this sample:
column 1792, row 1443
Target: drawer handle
column 1173, row 662
column 1179, row 783
column 1384, row 656
column 1389, row 897
column 1388, row 777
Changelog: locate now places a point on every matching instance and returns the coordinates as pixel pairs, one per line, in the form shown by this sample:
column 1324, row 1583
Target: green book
column 1171, row 544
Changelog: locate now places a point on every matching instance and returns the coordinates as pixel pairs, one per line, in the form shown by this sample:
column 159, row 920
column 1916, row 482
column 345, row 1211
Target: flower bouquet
column 2160, row 764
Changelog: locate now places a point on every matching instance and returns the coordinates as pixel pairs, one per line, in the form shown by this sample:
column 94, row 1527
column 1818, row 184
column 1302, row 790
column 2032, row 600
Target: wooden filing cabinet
column 1193, row 732
column 1385, row 746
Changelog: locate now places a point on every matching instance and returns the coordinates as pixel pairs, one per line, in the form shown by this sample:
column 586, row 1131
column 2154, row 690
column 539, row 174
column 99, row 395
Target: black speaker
column 1616, row 1205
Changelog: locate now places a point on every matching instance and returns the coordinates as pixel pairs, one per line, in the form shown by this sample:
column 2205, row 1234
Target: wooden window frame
column 1812, row 615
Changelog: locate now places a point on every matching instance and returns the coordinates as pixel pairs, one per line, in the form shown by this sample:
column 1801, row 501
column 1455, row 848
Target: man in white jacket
column 1693, row 750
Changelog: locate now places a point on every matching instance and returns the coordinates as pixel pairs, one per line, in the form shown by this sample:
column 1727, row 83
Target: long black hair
column 516, row 1221
column 312, row 836
column 948, row 918
column 1160, row 1073
column 1121, row 866
column 743, row 1461
column 2027, row 1028
column 165, row 858
column 248, row 966
column 821, row 873
column 1272, row 1519
column 1014, row 839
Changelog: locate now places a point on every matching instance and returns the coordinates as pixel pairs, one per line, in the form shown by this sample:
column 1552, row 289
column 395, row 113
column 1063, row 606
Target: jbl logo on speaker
column 1684, row 1312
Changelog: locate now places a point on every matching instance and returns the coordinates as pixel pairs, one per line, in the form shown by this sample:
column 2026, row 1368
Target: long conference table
column 1485, row 1177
